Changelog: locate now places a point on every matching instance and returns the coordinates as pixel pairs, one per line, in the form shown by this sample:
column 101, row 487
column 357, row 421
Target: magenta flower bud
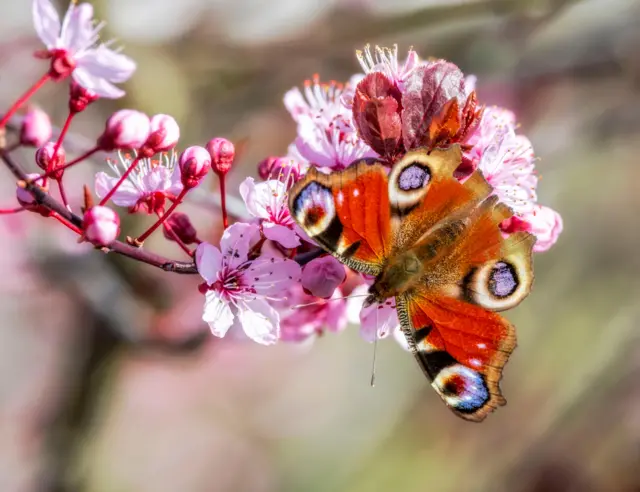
column 286, row 170
column 125, row 129
column 222, row 154
column 101, row 225
column 182, row 227
column 321, row 276
column 265, row 166
column 164, row 135
column 80, row 98
column 26, row 199
column 194, row 163
column 36, row 128
column 47, row 161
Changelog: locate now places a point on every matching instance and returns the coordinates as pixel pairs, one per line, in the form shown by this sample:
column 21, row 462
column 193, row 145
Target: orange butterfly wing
column 347, row 213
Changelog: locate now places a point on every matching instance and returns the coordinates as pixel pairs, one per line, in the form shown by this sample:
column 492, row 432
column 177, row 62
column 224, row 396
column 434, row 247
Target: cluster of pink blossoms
column 266, row 280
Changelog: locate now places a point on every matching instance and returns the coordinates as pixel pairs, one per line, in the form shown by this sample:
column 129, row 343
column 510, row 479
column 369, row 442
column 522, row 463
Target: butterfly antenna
column 375, row 351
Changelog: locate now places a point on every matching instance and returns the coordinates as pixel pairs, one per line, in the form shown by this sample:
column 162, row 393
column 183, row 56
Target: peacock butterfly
column 434, row 244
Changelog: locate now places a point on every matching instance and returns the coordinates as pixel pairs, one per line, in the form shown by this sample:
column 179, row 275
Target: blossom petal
column 78, row 31
column 401, row 338
column 295, row 104
column 236, row 242
column 381, row 317
column 46, row 22
column 322, row 276
column 256, row 205
column 127, row 194
column 98, row 85
column 209, row 262
column 547, row 226
column 281, row 234
column 271, row 276
column 259, row 321
column 107, row 64
column 217, row 314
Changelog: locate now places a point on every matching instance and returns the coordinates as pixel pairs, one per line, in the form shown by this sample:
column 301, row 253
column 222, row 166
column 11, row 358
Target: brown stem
column 47, row 201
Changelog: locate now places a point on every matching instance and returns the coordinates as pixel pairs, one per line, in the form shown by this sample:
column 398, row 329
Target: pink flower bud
column 80, row 98
column 181, row 226
column 101, row 225
column 265, row 166
column 36, row 128
column 47, row 161
column 125, row 129
column 195, row 163
column 546, row 224
column 321, row 276
column 222, row 154
column 164, row 135
column 26, row 199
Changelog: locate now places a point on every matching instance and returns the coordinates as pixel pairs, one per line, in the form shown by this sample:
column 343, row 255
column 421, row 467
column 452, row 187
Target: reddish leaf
column 427, row 92
column 376, row 114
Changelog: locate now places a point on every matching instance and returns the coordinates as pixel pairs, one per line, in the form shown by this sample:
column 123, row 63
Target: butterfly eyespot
column 503, row 280
column 462, row 388
column 413, row 177
column 314, row 208
column 408, row 182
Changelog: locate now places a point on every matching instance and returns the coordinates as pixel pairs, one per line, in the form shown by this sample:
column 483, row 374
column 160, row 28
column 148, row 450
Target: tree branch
column 47, row 201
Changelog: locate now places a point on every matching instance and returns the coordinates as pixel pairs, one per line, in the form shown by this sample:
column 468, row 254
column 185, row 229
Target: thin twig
column 47, row 201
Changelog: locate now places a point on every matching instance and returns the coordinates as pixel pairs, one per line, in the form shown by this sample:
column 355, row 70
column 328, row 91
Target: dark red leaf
column 376, row 114
column 427, row 91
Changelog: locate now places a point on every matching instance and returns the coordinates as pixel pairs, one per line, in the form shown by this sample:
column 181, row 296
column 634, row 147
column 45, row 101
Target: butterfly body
column 434, row 244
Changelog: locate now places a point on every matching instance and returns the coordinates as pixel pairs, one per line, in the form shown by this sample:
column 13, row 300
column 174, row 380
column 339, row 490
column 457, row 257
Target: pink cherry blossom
column 164, row 134
column 237, row 288
column 313, row 318
column 268, row 201
column 385, row 60
column 546, row 225
column 125, row 129
column 73, row 47
column 322, row 276
column 381, row 317
column 148, row 186
column 326, row 135
column 507, row 163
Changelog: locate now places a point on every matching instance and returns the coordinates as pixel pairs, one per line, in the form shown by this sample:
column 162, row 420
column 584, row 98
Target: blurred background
column 109, row 380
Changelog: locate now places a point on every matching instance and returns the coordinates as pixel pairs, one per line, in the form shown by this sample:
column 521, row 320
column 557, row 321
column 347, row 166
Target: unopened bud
column 48, row 162
column 80, row 98
column 26, row 199
column 195, row 163
column 181, row 226
column 222, row 154
column 265, row 166
column 101, row 225
column 321, row 276
column 125, row 129
column 164, row 135
column 36, row 128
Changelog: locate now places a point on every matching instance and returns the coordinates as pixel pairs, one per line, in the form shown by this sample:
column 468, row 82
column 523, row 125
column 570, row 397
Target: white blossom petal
column 271, row 276
column 217, row 314
column 98, row 85
column 104, row 63
column 78, row 32
column 46, row 22
column 127, row 194
column 260, row 321
column 209, row 262
column 236, row 242
column 281, row 234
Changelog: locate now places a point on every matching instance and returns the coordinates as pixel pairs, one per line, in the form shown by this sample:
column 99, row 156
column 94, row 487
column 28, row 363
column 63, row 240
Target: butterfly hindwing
column 462, row 349
column 347, row 213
